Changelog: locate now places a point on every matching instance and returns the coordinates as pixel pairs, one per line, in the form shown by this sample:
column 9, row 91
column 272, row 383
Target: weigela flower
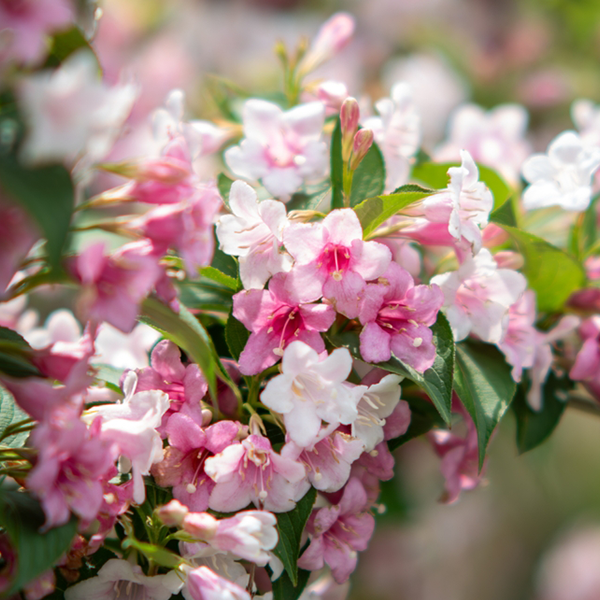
column 332, row 260
column 563, row 176
column 70, row 111
column 276, row 317
column 115, row 285
column 254, row 232
column 251, row 471
column 379, row 462
column 586, row 116
column 280, row 149
column 397, row 132
column 495, row 138
column 338, row 532
column 396, row 316
column 204, row 584
column 587, row 363
column 120, row 579
column 310, row 390
column 477, row 297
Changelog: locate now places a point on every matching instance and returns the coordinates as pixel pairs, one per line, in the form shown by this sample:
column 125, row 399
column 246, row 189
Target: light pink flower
column 204, row 584
column 121, row 350
column 254, row 232
column 26, row 23
column 331, row 259
column 396, row 316
column 495, row 138
column 338, row 532
column 251, row 471
column 310, row 390
column 115, row 285
column 379, row 462
column 280, row 149
column 587, row 363
column 397, row 132
column 276, row 317
column 477, row 297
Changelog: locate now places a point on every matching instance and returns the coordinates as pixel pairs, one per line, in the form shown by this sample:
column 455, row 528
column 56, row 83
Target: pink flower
column 115, row 285
column 204, row 584
column 338, row 532
column 26, row 23
column 477, row 297
column 251, row 471
column 331, row 259
column 587, row 362
column 71, row 463
column 280, row 149
column 276, row 317
column 397, row 316
column 310, row 390
column 41, row 586
column 254, row 232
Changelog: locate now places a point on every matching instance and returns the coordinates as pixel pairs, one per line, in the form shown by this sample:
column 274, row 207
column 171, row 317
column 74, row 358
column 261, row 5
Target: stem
column 578, row 402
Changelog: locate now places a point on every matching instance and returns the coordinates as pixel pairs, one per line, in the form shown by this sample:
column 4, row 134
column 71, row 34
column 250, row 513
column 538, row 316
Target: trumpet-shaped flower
column 331, row 259
column 276, row 317
column 254, row 232
column 280, row 149
column 204, row 584
column 397, row 316
column 563, row 176
column 310, row 390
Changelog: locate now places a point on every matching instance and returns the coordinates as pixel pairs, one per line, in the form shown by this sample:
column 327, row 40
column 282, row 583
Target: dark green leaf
column 205, row 296
column 161, row 556
column 423, row 417
column 236, row 336
column 301, row 201
column 284, row 589
column 290, row 526
column 369, row 177
column 47, row 194
column 372, row 212
column 337, row 168
column 11, row 413
column 65, row 43
column 484, row 384
column 225, row 263
column 220, row 278
column 22, row 517
column 550, row 272
column 534, row 427
column 15, row 355
column 224, row 186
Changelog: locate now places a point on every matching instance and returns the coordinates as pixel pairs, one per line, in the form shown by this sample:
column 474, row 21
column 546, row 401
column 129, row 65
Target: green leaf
column 15, row 355
column 369, row 177
column 550, row 272
column 47, row 195
column 215, row 275
column 65, row 43
column 534, row 427
column 224, row 186
column 290, row 526
column 205, row 296
column 372, row 212
column 436, row 381
column 161, row 556
column 436, row 176
column 11, row 413
column 236, row 336
column 301, row 201
column 337, row 168
column 423, row 417
column 484, row 384
column 110, row 375
column 284, row 589
column 225, row 263
column 22, row 517
column 504, row 215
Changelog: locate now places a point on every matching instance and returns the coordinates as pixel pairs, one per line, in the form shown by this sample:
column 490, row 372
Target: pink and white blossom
column 281, row 149
column 563, row 176
column 478, row 295
column 310, row 390
column 331, row 259
column 254, row 233
column 204, row 584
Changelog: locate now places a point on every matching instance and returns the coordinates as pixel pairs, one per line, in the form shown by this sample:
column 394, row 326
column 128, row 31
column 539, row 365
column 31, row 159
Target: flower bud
column 362, row 142
column 349, row 115
column 201, row 525
column 172, row 514
column 509, row 260
column 332, row 94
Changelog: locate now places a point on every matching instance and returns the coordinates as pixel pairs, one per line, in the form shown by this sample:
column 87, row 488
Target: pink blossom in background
column 338, row 532
column 310, row 390
column 587, row 362
column 396, row 316
column 251, row 471
column 204, row 584
column 276, row 317
column 41, row 586
column 282, row 150
column 331, row 259
column 254, row 233
column 26, row 25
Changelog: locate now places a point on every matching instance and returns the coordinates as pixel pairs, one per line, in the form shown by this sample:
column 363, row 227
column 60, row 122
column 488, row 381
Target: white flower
column 310, row 390
column 586, row 116
column 124, row 350
column 563, row 177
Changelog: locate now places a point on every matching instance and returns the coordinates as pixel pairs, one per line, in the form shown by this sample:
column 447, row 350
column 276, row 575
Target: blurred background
column 533, row 532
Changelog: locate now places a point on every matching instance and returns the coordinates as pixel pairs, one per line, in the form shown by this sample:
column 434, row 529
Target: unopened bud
column 281, row 52
column 333, row 35
column 349, row 115
column 362, row 142
column 172, row 514
column 201, row 525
